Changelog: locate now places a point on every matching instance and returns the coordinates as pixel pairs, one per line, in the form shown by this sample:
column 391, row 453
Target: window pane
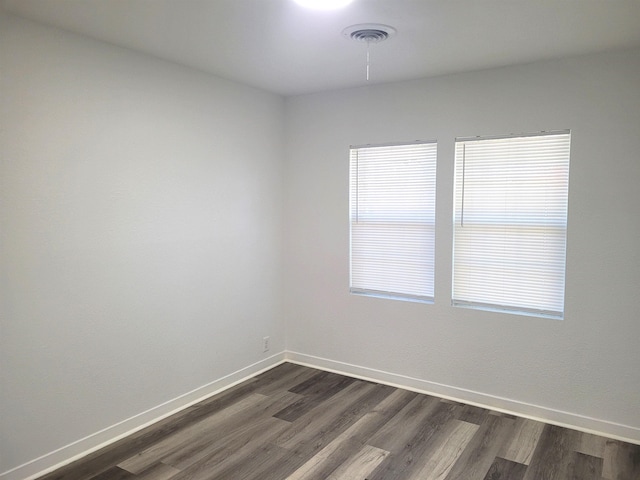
column 511, row 222
column 392, row 217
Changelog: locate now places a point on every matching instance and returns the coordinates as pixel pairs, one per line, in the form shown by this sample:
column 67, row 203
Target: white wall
column 140, row 249
column 141, row 213
column 586, row 365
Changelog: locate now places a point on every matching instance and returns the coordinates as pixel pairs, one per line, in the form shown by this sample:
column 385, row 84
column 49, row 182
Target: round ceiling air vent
column 369, row 32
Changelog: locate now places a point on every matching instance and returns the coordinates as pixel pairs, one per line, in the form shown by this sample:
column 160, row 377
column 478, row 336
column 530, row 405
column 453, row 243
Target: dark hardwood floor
column 294, row 423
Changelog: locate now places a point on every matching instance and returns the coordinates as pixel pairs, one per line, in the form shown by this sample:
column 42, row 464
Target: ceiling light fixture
column 369, row 33
column 323, row 4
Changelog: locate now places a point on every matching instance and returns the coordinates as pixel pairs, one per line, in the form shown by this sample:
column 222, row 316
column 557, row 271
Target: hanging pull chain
column 368, row 58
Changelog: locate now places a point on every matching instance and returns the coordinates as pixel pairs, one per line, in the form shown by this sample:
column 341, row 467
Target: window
column 511, row 223
column 392, row 217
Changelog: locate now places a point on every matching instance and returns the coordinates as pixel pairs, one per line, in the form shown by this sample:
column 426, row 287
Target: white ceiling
column 287, row 49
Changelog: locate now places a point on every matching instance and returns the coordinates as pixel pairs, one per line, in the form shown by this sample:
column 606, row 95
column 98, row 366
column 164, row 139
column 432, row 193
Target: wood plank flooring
column 298, row 423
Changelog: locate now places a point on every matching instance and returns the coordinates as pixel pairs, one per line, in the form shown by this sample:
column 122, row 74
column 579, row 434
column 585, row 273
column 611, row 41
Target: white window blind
column 392, row 216
column 511, row 223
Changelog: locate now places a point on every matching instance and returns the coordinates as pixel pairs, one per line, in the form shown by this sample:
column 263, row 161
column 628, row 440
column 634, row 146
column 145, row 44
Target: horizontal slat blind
column 392, row 216
column 511, row 223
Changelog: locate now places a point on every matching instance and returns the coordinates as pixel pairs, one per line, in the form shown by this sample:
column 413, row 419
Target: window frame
column 541, row 307
column 402, row 219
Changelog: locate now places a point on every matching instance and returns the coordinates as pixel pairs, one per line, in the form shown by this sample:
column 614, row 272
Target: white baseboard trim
column 513, row 407
column 80, row 448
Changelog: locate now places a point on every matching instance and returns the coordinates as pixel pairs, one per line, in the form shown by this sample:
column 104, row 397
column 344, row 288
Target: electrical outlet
column 265, row 344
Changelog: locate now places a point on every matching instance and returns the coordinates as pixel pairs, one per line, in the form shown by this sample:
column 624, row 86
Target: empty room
column 273, row 239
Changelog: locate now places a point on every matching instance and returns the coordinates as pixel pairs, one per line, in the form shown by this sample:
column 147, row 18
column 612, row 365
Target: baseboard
column 543, row 414
column 76, row 450
column 80, row 448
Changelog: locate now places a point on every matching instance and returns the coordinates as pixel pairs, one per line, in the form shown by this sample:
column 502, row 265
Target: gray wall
column 141, row 213
column 585, row 366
